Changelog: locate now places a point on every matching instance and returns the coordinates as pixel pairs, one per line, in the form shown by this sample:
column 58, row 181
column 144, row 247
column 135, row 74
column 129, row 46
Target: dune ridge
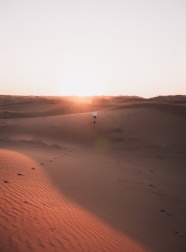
column 44, row 106
column 35, row 217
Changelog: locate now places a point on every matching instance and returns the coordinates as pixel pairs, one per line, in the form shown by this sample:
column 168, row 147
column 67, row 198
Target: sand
column 67, row 184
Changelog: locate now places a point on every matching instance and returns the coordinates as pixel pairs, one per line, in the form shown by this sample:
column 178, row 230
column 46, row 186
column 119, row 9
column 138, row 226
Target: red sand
column 70, row 185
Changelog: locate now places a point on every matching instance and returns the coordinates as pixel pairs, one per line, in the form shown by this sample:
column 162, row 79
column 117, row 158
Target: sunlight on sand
column 34, row 215
column 102, row 144
column 68, row 184
column 82, row 99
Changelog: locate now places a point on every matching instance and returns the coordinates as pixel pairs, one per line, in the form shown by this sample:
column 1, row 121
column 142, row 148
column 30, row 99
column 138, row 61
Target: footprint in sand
column 178, row 233
column 162, row 210
column 167, row 213
column 152, row 186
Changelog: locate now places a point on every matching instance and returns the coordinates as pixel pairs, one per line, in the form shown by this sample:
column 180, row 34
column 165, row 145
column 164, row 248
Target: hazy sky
column 93, row 47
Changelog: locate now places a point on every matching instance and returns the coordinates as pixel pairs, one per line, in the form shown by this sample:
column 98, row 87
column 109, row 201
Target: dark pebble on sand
column 20, row 174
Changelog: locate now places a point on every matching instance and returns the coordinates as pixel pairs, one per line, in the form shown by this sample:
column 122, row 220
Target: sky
column 93, row 47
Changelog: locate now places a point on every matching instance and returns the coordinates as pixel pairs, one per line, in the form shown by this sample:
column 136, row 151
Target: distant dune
column 31, row 106
column 68, row 184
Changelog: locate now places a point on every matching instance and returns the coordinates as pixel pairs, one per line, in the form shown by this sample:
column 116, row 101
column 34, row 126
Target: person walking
column 94, row 114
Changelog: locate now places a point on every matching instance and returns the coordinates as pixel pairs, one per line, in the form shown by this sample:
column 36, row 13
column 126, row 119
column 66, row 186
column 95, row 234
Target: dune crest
column 35, row 216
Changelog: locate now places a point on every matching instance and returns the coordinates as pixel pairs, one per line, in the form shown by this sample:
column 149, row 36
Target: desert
column 68, row 184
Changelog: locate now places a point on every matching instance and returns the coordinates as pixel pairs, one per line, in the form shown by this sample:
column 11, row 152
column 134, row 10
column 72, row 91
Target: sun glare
column 80, row 84
column 80, row 90
column 82, row 99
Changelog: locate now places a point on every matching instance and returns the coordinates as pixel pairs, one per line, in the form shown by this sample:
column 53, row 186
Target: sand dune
column 35, row 216
column 70, row 185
